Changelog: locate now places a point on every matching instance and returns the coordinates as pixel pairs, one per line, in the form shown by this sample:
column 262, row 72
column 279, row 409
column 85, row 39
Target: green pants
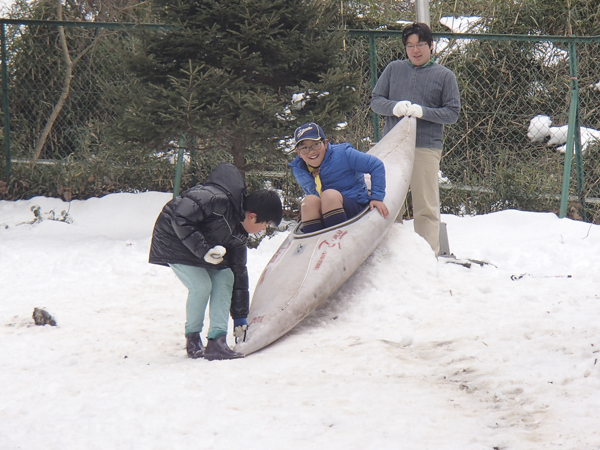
column 204, row 284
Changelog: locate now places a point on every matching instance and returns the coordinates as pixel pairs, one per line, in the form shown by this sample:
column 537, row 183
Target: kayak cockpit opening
column 299, row 234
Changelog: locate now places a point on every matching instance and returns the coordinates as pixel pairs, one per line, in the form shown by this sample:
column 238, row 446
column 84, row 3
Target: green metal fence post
column 573, row 136
column 579, row 164
column 373, row 64
column 5, row 105
column 577, row 143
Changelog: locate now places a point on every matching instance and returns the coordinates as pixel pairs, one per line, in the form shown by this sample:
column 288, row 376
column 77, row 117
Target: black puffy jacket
column 201, row 218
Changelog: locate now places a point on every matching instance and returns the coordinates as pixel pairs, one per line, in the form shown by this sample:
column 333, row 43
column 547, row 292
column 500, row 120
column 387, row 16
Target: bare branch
column 64, row 94
column 69, row 64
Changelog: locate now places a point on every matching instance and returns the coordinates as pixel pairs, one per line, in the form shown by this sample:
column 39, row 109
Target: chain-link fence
column 64, row 88
column 518, row 100
column 507, row 149
column 504, row 152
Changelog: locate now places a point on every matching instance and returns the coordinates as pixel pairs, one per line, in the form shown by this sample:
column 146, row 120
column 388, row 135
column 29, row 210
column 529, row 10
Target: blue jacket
column 343, row 169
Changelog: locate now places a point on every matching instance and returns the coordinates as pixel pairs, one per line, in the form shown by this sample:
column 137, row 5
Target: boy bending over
column 202, row 236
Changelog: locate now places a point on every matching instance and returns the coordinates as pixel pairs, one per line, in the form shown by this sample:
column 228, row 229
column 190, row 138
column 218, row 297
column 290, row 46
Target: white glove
column 400, row 108
column 415, row 110
column 240, row 333
column 215, row 255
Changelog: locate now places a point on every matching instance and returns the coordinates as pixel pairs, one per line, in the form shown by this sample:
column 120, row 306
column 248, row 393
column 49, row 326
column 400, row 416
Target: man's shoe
column 194, row 346
column 218, row 349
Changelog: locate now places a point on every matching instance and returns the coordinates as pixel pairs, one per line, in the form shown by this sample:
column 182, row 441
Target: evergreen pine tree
column 226, row 74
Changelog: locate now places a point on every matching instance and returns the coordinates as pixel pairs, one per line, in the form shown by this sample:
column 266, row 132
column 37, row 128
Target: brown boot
column 218, row 349
column 193, row 346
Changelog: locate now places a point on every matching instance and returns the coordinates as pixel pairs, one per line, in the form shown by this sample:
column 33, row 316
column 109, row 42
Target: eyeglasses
column 309, row 148
column 420, row 46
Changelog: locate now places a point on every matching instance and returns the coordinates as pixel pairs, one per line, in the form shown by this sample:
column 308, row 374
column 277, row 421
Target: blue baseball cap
column 309, row 131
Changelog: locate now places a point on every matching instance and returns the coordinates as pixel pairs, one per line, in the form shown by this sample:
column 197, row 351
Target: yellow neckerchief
column 315, row 173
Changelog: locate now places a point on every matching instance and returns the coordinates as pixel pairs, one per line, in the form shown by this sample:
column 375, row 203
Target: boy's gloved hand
column 215, row 255
column 400, row 108
column 415, row 110
column 240, row 326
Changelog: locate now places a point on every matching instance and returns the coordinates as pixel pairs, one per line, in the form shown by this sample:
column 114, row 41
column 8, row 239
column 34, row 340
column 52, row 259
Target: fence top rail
column 68, row 23
column 481, row 37
column 354, row 32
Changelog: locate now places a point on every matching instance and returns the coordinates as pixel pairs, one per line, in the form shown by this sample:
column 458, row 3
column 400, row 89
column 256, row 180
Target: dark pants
column 352, row 207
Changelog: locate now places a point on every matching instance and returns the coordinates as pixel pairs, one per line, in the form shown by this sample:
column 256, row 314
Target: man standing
column 420, row 88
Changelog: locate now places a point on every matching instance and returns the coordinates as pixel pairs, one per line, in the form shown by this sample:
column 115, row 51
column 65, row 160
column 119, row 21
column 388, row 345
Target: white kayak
column 308, row 268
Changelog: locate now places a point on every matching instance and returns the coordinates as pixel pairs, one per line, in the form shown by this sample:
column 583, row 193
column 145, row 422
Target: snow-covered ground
column 410, row 353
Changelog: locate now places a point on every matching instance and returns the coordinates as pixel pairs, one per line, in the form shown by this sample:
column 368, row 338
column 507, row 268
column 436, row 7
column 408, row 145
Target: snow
column 550, row 55
column 458, row 25
column 462, row 24
column 539, row 130
column 5, row 7
column 410, row 353
column 545, row 52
